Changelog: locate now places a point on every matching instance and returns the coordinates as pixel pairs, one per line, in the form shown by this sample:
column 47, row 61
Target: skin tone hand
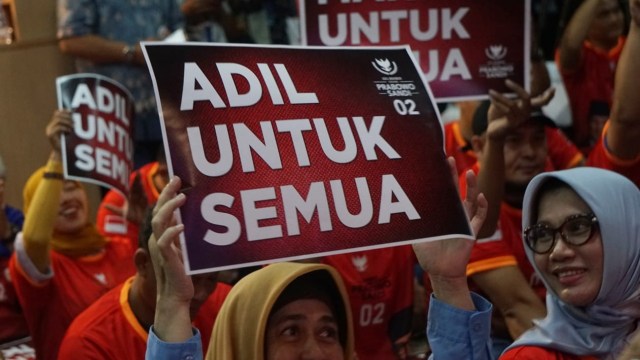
column 174, row 287
column 61, row 123
column 505, row 113
column 446, row 260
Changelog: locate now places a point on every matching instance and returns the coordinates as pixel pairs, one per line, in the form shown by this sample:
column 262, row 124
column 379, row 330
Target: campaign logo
column 360, row 262
column 385, row 66
column 497, row 65
column 496, row 52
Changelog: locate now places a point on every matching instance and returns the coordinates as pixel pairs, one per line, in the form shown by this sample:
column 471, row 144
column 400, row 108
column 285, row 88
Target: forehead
column 557, row 204
column 608, row 5
column 529, row 126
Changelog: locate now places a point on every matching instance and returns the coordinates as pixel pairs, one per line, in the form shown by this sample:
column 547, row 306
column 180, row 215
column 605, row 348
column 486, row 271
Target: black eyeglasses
column 575, row 230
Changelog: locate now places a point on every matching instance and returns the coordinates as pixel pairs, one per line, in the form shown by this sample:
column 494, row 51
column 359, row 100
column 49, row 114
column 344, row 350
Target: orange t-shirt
column 108, row 329
column 601, row 157
column 51, row 305
column 455, row 145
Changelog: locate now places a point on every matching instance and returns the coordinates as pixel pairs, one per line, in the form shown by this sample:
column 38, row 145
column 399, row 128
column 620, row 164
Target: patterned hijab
column 240, row 327
column 604, row 327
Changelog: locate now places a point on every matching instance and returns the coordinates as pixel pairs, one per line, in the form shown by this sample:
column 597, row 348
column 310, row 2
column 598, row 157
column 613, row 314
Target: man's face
column 608, row 24
column 525, row 153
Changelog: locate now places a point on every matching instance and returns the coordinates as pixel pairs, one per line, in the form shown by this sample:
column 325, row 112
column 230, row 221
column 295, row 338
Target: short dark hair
column 480, row 118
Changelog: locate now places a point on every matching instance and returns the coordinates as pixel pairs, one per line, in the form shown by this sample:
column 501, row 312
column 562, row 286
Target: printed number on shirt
column 371, row 314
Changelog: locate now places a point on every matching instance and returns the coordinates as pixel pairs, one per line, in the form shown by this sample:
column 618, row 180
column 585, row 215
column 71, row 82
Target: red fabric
column 50, row 306
column 539, row 353
column 14, row 326
column 592, row 81
column 108, row 329
column 600, row 157
column 208, row 312
column 106, row 219
column 455, row 145
column 380, row 287
column 561, row 151
column 505, row 248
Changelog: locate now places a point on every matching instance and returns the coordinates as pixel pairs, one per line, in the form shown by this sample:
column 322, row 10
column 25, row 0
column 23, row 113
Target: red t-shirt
column 455, row 145
column 380, row 287
column 504, row 247
column 540, row 353
column 112, row 224
column 592, row 81
column 601, row 157
column 13, row 325
column 561, row 151
column 51, row 305
column 108, row 329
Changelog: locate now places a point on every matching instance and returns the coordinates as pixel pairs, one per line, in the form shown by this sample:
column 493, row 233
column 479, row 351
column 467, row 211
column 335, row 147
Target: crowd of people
column 554, row 272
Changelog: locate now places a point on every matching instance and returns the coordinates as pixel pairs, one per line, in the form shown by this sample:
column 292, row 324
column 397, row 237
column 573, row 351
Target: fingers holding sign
column 174, row 287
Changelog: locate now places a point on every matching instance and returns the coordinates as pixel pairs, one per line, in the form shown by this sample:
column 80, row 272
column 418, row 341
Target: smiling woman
column 582, row 236
column 61, row 263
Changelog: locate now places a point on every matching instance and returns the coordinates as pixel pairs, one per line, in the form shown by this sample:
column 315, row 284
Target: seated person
column 582, row 237
column 116, row 325
column 61, row 264
column 290, row 317
column 587, row 56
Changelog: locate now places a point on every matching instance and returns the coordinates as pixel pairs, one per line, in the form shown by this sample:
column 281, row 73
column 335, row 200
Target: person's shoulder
column 96, row 317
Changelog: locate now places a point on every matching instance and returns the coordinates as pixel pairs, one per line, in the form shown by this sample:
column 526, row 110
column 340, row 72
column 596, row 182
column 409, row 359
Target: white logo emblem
column 385, row 66
column 102, row 278
column 360, row 262
column 496, row 52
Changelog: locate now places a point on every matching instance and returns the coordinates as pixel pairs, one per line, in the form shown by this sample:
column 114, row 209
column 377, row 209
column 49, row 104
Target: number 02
column 405, row 107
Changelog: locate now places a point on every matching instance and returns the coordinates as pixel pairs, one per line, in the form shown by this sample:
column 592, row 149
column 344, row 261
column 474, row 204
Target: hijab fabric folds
column 604, row 327
column 240, row 327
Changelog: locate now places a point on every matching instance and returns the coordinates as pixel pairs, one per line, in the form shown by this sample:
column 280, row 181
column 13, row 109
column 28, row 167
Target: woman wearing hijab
column 282, row 311
column 582, row 235
column 61, row 264
column 293, row 311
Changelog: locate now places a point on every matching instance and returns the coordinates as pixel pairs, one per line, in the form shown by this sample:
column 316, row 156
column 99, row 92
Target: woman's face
column 573, row 272
column 303, row 329
column 73, row 208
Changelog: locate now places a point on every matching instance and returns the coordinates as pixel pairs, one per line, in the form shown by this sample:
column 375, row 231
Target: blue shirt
column 129, row 21
column 454, row 334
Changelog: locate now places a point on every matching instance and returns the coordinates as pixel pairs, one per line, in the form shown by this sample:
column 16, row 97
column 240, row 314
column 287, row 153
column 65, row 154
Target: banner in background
column 291, row 153
column 100, row 150
column 464, row 47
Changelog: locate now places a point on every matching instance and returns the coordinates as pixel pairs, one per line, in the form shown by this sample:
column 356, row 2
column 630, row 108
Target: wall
column 28, row 69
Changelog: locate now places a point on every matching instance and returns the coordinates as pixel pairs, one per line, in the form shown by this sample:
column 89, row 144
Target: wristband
column 53, row 175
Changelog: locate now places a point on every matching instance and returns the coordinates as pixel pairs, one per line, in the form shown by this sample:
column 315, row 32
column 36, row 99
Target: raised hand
column 174, row 287
column 505, row 113
column 61, row 123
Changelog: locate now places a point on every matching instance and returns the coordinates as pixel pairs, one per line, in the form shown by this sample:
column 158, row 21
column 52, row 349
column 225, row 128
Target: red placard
column 100, row 150
column 464, row 47
column 291, row 153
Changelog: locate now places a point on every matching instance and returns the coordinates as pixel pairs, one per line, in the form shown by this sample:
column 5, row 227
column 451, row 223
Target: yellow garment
column 241, row 324
column 41, row 201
